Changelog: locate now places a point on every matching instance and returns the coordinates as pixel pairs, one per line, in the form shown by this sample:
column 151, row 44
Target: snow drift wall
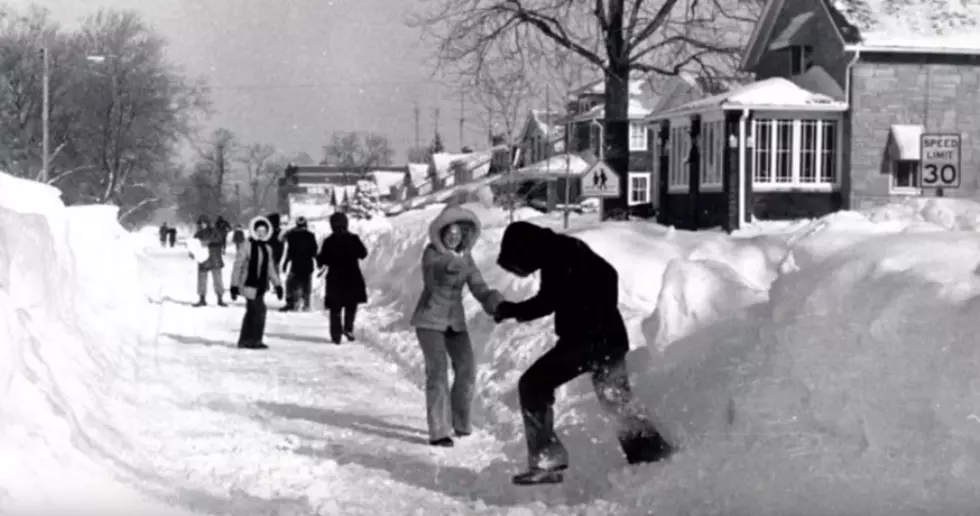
column 826, row 370
column 71, row 320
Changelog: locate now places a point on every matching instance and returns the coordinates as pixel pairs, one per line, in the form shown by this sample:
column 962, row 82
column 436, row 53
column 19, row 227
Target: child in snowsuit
column 580, row 289
column 440, row 322
column 253, row 271
column 212, row 238
column 341, row 254
column 300, row 256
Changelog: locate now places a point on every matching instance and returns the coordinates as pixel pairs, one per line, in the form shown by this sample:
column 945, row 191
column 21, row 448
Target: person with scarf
column 254, row 269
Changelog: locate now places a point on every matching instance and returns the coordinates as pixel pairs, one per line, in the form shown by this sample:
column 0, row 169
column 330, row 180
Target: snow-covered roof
column 548, row 122
column 555, row 166
column 914, row 24
column 418, row 172
column 775, row 93
column 637, row 111
column 385, row 180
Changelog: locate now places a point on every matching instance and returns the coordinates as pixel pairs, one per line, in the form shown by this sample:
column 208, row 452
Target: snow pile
column 827, row 368
column 70, row 321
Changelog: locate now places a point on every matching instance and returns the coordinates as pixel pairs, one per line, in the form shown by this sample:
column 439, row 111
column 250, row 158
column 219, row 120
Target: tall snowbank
column 824, row 369
column 71, row 319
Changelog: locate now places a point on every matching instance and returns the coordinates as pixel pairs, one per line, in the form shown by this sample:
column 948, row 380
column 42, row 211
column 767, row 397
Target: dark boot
column 202, row 302
column 257, row 345
column 445, row 442
column 221, row 301
column 545, row 451
column 349, row 335
column 645, row 447
column 538, row 476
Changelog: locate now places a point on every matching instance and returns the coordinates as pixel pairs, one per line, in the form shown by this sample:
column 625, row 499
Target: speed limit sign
column 939, row 164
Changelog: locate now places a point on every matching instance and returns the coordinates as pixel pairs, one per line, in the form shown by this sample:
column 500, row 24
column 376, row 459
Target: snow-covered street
column 304, row 426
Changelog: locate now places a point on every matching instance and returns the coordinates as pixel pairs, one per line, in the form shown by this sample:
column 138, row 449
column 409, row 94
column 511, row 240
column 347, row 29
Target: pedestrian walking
column 341, row 254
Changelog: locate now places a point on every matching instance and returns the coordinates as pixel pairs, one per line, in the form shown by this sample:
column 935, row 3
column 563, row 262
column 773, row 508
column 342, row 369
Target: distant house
column 542, row 136
column 845, row 89
column 321, row 180
column 586, row 114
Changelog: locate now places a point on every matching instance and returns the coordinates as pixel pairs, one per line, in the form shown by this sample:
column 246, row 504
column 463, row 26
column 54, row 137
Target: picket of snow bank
column 71, row 318
column 829, row 366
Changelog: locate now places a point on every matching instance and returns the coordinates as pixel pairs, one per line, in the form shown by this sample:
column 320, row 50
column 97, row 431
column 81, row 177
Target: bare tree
column 358, row 150
column 615, row 37
column 260, row 174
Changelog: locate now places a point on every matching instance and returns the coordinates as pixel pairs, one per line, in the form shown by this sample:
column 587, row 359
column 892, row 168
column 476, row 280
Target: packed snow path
column 305, row 426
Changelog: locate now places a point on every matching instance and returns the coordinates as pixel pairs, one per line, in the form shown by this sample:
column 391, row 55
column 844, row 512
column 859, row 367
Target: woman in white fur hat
column 255, row 268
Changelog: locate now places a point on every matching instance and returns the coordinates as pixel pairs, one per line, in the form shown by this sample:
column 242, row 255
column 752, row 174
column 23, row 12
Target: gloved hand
column 279, row 292
column 505, row 310
column 234, row 293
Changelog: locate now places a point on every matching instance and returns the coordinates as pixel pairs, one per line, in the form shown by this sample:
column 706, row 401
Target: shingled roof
column 923, row 24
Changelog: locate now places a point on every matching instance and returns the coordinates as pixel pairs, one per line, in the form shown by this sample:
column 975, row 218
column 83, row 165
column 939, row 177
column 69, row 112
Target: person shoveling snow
column 581, row 289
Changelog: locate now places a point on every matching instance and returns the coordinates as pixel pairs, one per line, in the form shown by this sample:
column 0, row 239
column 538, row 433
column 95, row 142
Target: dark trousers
column 253, row 324
column 298, row 287
column 348, row 312
column 637, row 435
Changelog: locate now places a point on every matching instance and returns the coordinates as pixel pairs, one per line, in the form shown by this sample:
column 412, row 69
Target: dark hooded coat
column 577, row 285
column 275, row 237
column 301, row 250
column 341, row 253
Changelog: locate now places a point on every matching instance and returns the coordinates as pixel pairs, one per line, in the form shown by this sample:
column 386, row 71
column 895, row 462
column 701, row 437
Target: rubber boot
column 547, row 457
column 221, row 301
column 202, row 302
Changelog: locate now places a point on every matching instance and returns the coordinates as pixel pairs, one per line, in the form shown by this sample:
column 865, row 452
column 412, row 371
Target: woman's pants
column 447, row 409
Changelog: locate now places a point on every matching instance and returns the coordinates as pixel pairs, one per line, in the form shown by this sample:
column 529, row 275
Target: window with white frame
column 712, row 150
column 679, row 177
column 639, row 188
column 638, row 136
column 793, row 153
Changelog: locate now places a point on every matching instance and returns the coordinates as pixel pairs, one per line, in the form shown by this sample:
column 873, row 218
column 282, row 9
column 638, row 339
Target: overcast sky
column 290, row 72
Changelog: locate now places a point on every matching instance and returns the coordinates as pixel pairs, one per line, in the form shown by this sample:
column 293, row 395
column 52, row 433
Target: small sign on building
column 600, row 181
column 940, row 158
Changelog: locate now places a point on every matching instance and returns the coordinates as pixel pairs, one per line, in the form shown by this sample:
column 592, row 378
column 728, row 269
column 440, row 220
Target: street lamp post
column 45, row 114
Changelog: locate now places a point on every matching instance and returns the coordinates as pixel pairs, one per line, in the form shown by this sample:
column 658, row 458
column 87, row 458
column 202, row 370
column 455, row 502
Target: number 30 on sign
column 940, row 160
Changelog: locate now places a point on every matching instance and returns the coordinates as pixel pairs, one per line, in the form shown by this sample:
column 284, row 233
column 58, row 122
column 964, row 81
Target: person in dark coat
column 224, row 227
column 214, row 240
column 172, row 236
column 581, row 289
column 275, row 237
column 340, row 254
column 300, row 259
column 164, row 231
column 238, row 236
column 251, row 275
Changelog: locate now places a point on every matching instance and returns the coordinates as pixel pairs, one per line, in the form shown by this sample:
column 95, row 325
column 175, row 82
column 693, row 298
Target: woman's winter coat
column 212, row 238
column 445, row 273
column 255, row 267
column 341, row 253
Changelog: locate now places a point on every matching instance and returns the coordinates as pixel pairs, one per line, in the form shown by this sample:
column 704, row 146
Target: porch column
column 663, row 171
column 552, row 194
column 694, row 173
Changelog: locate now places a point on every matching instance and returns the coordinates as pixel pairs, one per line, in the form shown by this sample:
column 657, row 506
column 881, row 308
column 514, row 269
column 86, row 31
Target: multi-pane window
column 794, row 152
column 679, row 178
column 905, row 175
column 712, row 150
column 638, row 136
column 639, row 188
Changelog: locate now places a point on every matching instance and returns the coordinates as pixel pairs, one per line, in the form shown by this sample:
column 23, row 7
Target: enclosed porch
column 767, row 150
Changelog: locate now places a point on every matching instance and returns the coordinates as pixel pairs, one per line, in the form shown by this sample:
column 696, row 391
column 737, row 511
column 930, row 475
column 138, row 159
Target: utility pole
column 45, row 115
column 418, row 142
column 437, row 120
column 462, row 120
